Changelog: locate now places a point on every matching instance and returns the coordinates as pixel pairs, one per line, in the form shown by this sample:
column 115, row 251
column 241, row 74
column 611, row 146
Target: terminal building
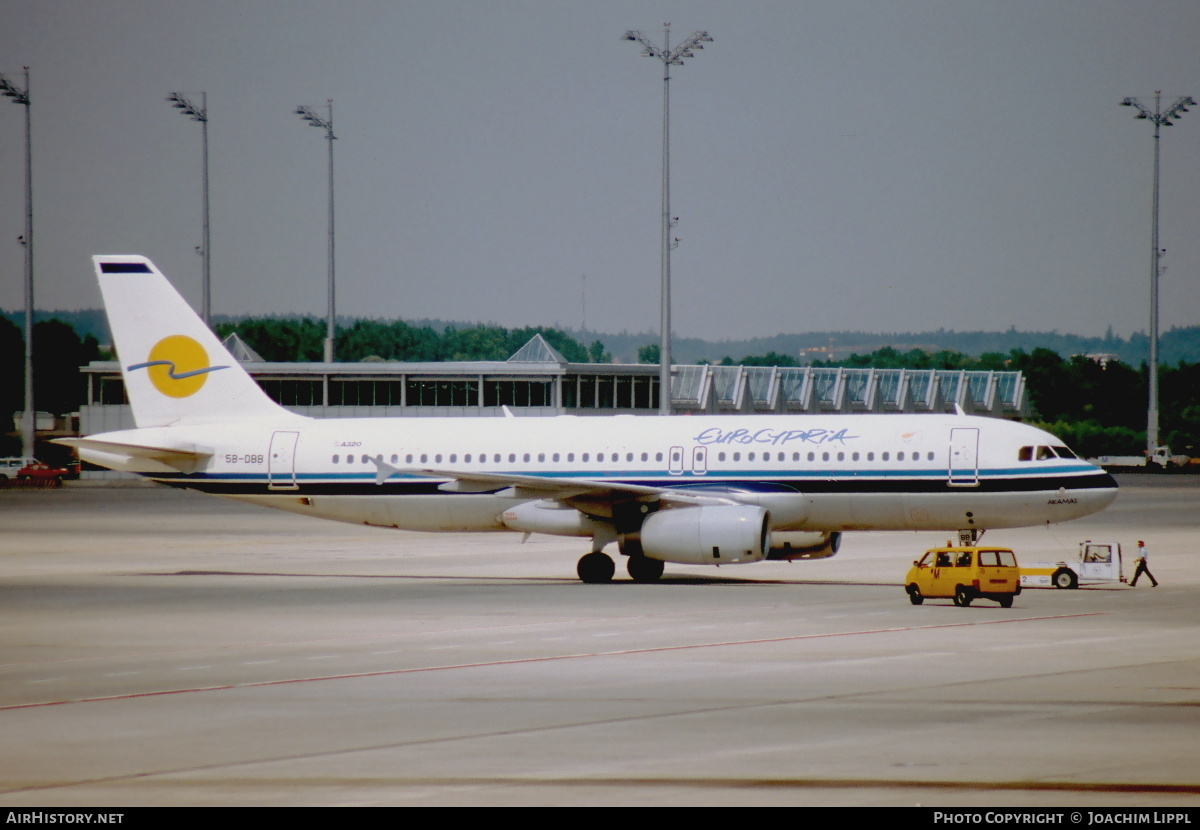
column 537, row 381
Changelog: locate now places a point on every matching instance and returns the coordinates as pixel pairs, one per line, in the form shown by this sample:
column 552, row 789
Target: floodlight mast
column 669, row 57
column 28, row 416
column 326, row 124
column 200, row 113
column 1160, row 118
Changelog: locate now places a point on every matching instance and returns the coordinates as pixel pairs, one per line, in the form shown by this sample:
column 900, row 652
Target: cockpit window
column 1065, row 452
column 1025, row 454
column 1044, row 453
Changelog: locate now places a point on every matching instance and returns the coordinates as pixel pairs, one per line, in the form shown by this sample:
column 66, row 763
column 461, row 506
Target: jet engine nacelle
column 550, row 517
column 707, row 535
column 804, row 545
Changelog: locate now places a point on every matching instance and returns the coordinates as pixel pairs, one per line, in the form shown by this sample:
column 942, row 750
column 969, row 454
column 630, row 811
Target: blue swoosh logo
column 171, row 371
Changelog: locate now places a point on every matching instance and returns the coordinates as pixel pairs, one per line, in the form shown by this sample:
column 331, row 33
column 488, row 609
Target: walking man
column 1141, row 566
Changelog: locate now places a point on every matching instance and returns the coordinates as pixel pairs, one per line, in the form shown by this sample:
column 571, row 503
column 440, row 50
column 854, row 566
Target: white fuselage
column 811, row 472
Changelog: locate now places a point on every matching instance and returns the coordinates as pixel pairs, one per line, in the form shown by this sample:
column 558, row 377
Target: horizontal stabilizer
column 178, row 457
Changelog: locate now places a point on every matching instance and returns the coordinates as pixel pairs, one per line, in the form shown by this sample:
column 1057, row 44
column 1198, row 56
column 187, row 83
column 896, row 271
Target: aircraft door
column 699, row 461
column 281, row 461
column 964, row 457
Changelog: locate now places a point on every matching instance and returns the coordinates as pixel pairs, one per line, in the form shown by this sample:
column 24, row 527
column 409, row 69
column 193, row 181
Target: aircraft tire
column 914, row 595
column 596, row 568
column 962, row 596
column 1064, row 578
column 644, row 569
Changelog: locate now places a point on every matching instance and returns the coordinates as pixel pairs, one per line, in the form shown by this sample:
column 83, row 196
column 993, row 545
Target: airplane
column 700, row 489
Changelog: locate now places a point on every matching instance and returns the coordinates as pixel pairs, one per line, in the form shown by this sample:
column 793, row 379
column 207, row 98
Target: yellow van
column 965, row 574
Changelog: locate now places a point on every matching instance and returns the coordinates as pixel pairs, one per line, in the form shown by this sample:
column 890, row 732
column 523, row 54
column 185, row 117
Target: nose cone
column 1101, row 492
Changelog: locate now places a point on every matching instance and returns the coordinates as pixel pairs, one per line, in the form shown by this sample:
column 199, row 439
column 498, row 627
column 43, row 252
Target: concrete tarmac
column 169, row 648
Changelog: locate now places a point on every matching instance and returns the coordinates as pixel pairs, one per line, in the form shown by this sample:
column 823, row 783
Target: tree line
column 1096, row 408
column 302, row 339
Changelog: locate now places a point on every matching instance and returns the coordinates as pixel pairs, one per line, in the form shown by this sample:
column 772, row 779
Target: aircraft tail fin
column 175, row 368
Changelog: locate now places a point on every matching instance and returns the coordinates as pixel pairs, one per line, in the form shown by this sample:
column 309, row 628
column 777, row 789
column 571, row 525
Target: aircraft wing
column 561, row 488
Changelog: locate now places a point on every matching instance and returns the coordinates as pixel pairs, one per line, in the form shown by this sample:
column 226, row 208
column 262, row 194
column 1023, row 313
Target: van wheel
column 962, row 597
column 1065, row 578
column 1005, row 602
column 914, row 595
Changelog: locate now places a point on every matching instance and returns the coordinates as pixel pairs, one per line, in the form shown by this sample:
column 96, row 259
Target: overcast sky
column 880, row 165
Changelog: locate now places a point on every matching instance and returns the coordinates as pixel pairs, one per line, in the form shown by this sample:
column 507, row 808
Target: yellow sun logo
column 177, row 366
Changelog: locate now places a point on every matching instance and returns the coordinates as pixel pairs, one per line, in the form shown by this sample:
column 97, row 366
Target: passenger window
column 870, row 456
column 408, row 458
column 824, row 456
column 541, row 457
column 554, row 458
column 585, row 457
column 854, row 457
column 886, row 456
column 737, row 456
column 658, row 456
column 437, row 459
column 750, row 457
column 453, row 457
column 512, row 457
column 467, row 458
column 570, row 456
column 841, row 456
column 335, row 459
column 645, row 456
column 900, row 456
column 526, row 458
column 720, row 456
column 395, row 458
column 812, row 456
column 424, row 458
column 628, row 456
column 599, row 456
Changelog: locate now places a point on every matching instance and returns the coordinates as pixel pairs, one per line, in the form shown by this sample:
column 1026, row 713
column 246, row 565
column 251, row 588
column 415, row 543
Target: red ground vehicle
column 40, row 474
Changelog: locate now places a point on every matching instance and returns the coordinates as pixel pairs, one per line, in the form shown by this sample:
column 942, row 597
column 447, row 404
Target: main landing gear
column 598, row 567
column 643, row 568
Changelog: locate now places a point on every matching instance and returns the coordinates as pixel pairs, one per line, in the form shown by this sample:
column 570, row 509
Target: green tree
column 58, row 352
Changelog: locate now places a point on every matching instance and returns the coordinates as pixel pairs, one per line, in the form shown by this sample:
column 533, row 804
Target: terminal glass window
column 303, row 392
column 442, row 393
column 518, row 393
